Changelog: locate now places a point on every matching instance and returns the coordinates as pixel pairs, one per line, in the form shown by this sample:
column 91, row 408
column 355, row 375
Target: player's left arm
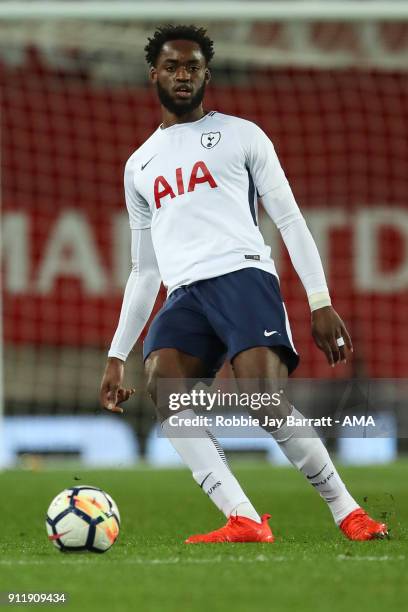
column 280, row 204
column 327, row 326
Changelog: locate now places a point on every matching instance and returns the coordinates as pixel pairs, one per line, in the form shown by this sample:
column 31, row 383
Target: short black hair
column 178, row 32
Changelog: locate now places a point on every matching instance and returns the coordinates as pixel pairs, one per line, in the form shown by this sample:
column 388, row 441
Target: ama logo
column 199, row 174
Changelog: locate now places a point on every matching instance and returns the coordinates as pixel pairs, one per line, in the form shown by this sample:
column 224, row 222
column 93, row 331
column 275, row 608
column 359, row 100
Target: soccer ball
column 83, row 518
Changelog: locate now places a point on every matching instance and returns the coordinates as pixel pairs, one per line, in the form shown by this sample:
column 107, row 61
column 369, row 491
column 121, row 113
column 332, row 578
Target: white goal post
column 122, row 27
column 220, row 11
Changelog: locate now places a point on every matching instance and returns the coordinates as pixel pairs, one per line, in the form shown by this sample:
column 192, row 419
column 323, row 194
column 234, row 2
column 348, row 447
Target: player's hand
column 112, row 392
column 327, row 327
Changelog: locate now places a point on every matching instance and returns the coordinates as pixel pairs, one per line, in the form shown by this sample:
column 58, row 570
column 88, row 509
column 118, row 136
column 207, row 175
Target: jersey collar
column 179, row 126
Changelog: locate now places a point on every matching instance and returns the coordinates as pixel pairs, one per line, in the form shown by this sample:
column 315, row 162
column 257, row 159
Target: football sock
column 205, row 458
column 246, row 509
column 304, row 449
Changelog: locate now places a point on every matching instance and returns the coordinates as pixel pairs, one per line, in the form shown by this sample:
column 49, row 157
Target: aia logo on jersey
column 210, row 139
column 199, row 174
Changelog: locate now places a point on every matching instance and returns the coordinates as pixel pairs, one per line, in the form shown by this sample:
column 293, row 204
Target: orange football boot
column 237, row 529
column 359, row 526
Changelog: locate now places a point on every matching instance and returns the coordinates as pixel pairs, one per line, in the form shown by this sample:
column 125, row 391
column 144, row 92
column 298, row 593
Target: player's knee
column 263, row 363
column 154, row 376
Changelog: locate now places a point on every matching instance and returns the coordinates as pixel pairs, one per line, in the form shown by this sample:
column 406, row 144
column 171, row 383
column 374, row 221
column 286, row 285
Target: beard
column 180, row 107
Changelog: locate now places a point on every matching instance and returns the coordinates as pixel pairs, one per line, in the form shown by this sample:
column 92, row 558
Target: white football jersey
column 196, row 185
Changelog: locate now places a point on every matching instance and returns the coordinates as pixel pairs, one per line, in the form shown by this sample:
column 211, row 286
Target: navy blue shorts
column 217, row 318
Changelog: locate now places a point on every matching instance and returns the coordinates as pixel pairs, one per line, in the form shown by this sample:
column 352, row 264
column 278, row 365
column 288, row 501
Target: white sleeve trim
column 140, row 295
column 319, row 300
column 281, row 206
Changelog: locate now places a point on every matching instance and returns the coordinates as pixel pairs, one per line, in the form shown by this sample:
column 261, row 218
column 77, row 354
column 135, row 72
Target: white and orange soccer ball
column 83, row 519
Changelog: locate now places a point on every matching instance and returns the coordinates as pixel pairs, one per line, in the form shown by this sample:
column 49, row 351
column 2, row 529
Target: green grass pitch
column 311, row 567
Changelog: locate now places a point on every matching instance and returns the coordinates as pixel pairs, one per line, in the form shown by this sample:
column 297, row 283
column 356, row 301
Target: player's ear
column 153, row 74
column 207, row 75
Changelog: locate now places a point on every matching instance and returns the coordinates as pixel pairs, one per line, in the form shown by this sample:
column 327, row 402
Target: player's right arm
column 140, row 295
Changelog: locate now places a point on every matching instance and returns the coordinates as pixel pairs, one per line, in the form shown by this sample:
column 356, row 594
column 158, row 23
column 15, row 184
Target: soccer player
column 191, row 191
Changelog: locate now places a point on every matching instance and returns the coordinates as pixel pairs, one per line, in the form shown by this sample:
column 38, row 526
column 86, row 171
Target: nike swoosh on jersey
column 268, row 333
column 143, row 166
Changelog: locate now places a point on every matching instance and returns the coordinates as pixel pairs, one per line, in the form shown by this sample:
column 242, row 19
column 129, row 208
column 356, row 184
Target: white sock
column 205, row 458
column 304, row 449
